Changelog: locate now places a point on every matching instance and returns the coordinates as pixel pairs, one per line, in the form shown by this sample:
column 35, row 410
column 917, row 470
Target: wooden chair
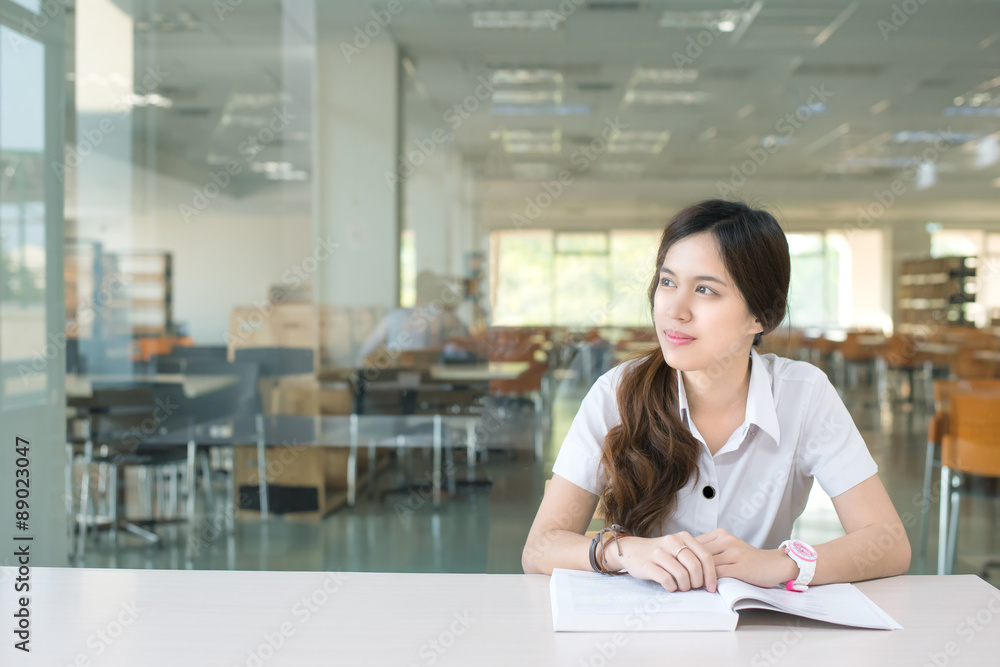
column 970, row 448
column 900, row 353
column 853, row 352
column 939, row 426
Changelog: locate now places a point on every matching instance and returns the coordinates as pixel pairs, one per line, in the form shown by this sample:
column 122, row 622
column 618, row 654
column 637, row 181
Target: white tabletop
column 182, row 617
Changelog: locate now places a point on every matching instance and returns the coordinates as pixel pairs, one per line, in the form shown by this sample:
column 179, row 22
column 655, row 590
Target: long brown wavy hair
column 651, row 455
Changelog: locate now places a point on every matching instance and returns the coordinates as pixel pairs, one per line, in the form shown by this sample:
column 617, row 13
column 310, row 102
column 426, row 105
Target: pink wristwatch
column 805, row 557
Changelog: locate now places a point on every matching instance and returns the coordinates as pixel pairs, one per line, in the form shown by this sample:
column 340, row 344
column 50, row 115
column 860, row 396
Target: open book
column 587, row 601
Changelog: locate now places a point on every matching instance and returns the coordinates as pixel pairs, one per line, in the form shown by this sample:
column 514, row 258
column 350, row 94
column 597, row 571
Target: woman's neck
column 714, row 395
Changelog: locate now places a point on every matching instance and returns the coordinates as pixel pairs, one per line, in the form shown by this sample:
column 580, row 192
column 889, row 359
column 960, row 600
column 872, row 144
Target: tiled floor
column 484, row 531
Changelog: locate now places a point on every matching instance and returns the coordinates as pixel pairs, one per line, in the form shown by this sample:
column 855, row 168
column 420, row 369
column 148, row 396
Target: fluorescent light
column 516, row 20
column 520, row 76
column 540, row 110
column 664, row 97
column 987, row 151
column 270, row 167
column 725, row 20
column 151, row 100
column 814, row 107
column 638, row 141
column 926, row 137
column 650, row 75
column 527, row 97
column 529, row 141
column 926, row 175
column 769, row 140
column 972, row 111
column 293, row 175
column 624, row 149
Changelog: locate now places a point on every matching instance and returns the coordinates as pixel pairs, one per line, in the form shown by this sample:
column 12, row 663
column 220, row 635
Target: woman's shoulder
column 784, row 370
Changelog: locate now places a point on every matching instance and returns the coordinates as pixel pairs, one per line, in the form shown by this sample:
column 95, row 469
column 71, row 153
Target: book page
column 592, row 593
column 843, row 604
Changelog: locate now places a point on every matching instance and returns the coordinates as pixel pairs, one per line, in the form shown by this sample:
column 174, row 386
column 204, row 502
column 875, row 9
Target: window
column 572, row 279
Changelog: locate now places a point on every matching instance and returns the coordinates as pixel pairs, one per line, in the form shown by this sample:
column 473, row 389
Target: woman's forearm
column 880, row 550
column 555, row 548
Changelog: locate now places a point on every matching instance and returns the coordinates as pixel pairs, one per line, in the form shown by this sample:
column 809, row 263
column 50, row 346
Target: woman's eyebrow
column 664, row 269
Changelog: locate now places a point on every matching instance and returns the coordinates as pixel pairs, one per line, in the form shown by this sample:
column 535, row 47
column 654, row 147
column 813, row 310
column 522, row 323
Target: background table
column 82, row 386
column 191, row 617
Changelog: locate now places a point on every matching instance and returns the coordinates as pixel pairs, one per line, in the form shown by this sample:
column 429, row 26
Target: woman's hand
column 663, row 560
column 735, row 558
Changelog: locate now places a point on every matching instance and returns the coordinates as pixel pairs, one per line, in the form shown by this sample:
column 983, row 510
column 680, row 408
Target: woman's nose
column 678, row 308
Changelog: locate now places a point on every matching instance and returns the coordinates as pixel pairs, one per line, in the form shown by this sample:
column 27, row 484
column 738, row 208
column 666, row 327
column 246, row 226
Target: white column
column 357, row 134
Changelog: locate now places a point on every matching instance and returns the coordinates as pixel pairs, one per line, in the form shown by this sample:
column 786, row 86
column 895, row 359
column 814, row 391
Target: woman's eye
column 707, row 290
column 664, row 281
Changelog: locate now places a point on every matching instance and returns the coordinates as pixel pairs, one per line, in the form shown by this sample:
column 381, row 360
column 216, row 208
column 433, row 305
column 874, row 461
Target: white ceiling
column 877, row 87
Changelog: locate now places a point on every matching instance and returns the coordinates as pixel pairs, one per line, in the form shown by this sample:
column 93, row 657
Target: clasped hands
column 681, row 562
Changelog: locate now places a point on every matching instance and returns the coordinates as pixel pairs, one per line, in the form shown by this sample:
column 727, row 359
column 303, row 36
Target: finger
column 654, row 572
column 705, row 538
column 689, row 559
column 677, row 569
column 706, row 564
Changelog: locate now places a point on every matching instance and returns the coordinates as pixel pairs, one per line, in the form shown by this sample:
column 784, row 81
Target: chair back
column 217, row 352
column 241, row 399
column 973, row 446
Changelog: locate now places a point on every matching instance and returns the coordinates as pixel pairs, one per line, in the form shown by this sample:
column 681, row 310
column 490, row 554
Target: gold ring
column 680, row 550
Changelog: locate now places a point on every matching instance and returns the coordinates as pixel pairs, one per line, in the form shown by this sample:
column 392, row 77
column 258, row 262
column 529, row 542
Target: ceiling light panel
column 527, row 97
column 529, row 141
column 650, row 76
column 521, row 77
column 516, row 20
column 725, row 20
column 664, row 97
column 638, row 141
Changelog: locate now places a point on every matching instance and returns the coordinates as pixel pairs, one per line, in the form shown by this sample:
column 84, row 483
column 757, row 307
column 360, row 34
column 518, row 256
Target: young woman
column 704, row 451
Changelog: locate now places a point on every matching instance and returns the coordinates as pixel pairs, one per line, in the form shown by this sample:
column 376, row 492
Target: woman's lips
column 677, row 339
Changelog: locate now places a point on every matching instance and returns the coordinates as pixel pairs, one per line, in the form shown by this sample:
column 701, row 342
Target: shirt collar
column 760, row 412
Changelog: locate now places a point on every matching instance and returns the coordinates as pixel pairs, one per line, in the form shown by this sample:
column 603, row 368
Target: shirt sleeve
column 831, row 448
column 579, row 458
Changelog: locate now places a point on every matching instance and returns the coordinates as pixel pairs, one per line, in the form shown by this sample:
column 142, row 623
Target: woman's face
column 700, row 316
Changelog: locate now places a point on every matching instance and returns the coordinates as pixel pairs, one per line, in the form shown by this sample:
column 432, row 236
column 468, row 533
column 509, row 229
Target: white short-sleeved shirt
column 796, row 428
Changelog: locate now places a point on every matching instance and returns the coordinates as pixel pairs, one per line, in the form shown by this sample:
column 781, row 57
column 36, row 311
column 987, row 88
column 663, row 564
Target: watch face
column 802, row 550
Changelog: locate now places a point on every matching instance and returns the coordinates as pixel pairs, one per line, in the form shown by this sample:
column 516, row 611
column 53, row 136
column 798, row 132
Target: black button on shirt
column 708, row 492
